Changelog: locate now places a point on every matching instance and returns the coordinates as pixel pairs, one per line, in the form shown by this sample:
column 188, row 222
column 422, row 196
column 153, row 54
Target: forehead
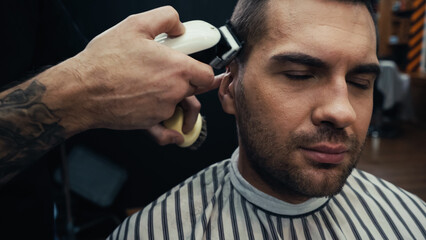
column 319, row 27
column 343, row 14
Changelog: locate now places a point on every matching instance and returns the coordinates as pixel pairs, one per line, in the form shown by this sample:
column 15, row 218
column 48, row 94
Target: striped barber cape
column 217, row 203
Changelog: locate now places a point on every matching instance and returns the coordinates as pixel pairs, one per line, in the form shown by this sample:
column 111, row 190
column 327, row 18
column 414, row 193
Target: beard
column 279, row 162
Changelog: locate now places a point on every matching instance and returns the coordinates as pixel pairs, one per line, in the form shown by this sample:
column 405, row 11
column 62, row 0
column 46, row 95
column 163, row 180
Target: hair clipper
column 206, row 43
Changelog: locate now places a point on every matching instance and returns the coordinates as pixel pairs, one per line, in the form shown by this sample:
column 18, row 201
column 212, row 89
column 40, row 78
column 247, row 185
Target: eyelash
column 360, row 86
column 301, row 77
column 361, row 82
column 298, row 76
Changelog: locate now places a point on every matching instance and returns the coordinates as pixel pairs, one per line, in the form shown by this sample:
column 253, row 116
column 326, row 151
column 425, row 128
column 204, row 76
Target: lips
column 325, row 153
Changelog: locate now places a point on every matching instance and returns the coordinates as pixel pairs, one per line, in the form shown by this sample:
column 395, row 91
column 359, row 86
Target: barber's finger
column 164, row 136
column 208, row 86
column 191, row 108
column 199, row 75
column 161, row 20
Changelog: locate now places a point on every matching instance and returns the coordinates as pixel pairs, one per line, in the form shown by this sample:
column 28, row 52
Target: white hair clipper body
column 204, row 42
column 208, row 44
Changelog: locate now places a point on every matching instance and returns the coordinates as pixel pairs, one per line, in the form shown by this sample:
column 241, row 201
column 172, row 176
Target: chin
column 322, row 181
column 309, row 179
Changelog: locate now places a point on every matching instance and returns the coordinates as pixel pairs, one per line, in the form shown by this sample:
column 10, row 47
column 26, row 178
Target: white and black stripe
column 348, row 219
column 233, row 216
column 178, row 216
column 211, row 206
column 306, row 232
column 319, row 227
column 249, row 227
column 355, row 213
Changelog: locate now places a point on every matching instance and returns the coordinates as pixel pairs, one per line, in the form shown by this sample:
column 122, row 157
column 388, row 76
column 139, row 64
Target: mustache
column 325, row 133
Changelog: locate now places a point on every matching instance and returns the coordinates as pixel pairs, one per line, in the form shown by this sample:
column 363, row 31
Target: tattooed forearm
column 28, row 129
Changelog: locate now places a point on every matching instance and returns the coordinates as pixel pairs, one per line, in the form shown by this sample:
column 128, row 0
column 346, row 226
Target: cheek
column 363, row 111
column 282, row 109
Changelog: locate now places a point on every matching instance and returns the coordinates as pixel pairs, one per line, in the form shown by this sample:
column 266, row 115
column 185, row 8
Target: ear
column 227, row 88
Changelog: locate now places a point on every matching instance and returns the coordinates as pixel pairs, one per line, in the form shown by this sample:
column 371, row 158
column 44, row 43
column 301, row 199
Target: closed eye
column 361, row 83
column 363, row 76
column 298, row 75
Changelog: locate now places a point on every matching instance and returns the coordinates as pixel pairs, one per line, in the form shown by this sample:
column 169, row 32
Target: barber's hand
column 130, row 81
column 191, row 108
column 163, row 136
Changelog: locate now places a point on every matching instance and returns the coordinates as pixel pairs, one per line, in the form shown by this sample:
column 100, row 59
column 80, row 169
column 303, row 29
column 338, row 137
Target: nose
column 334, row 107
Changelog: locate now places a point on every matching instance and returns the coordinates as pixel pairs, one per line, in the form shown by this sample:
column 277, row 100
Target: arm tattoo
column 28, row 129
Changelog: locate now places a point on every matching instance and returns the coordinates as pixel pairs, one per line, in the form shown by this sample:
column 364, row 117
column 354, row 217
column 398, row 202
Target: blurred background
column 109, row 175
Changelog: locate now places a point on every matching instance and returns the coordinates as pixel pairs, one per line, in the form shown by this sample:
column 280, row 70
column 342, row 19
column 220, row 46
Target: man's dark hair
column 249, row 22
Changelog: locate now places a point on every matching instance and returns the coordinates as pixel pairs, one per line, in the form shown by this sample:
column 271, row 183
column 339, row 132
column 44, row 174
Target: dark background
column 43, row 35
column 152, row 170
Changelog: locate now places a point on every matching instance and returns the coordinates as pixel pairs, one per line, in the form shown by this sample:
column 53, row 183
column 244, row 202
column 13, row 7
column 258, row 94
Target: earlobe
column 227, row 90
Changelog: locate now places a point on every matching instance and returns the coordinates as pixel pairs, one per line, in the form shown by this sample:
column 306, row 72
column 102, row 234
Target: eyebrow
column 370, row 68
column 299, row 58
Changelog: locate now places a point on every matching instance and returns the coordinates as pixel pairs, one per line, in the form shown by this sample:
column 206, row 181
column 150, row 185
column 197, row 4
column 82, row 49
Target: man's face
column 303, row 101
